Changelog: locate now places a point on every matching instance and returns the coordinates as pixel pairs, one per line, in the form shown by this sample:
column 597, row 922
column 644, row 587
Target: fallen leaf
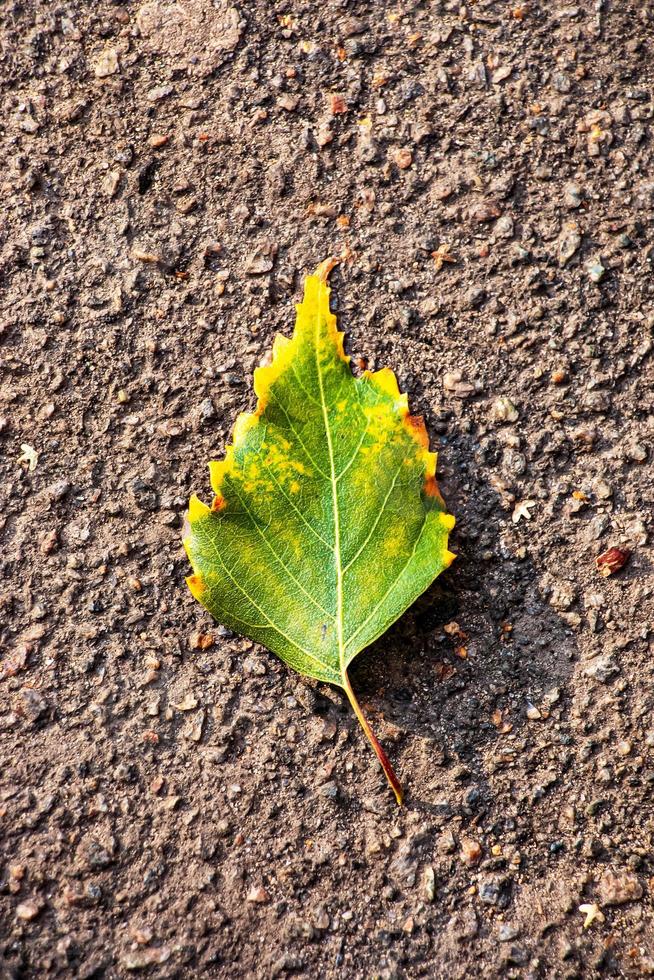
column 592, row 913
column 29, row 457
column 612, row 561
column 441, row 255
column 327, row 522
column 522, row 510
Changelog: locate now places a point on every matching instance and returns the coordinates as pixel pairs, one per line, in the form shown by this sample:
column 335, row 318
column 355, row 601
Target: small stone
column 324, row 136
column 569, row 243
column 159, row 92
column 602, row 669
column 532, row 712
column 27, row 911
column 32, row 704
column 141, row 934
column 636, row 452
column 503, row 410
column 201, row 641
column 207, row 410
column 451, row 379
column 429, row 883
column 49, row 542
column 507, row 933
column 29, row 125
column 572, row 195
column 446, row 842
column 408, row 925
column 404, row 158
column 487, row 210
column 329, row 790
column 106, row 64
column 501, row 73
column 111, row 183
column 596, row 271
column 504, row 226
column 617, row 889
column 464, row 925
column 143, row 958
column 489, row 892
column 188, row 703
column 320, row 919
column 470, row 852
column 258, row 895
column 261, row 261
column 288, row 102
column 186, row 205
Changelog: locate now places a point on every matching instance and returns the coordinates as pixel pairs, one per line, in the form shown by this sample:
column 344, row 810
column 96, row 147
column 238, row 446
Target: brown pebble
column 617, row 889
column 470, row 851
column 404, row 158
column 201, row 641
column 49, row 542
column 337, row 105
column 485, row 210
column 145, row 256
column 258, row 895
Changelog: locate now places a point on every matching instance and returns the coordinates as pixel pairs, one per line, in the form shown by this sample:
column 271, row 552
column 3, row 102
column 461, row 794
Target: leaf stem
column 372, row 738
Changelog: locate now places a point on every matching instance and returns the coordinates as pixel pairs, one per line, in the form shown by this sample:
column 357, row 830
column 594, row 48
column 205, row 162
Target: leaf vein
column 277, row 556
column 380, row 513
column 391, row 586
column 256, row 605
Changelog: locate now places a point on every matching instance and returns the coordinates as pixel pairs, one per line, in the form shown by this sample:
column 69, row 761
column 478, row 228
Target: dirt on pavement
column 173, row 799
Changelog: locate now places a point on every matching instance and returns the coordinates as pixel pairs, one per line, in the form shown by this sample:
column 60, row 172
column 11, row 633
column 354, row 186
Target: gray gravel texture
column 171, row 172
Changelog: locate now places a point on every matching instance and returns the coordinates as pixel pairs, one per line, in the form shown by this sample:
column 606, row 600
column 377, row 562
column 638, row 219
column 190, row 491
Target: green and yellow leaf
column 327, row 522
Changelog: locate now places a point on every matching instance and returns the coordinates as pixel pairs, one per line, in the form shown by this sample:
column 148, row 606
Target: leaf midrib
column 334, row 486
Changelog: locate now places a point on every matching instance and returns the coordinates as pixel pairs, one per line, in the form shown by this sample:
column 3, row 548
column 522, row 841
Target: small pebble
column 503, row 410
column 618, row 889
column 27, row 911
column 596, row 271
column 470, row 851
column 258, row 895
